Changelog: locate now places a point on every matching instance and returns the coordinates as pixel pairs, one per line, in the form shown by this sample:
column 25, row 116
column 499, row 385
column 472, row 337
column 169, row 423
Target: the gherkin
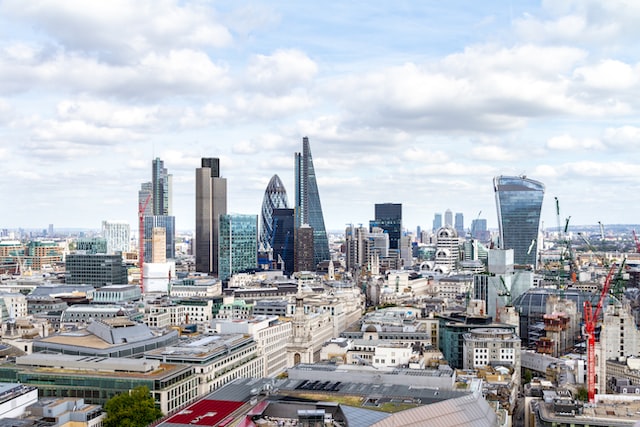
column 275, row 197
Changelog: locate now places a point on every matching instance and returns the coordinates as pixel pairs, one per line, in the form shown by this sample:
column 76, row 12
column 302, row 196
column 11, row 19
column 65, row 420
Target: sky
column 414, row 102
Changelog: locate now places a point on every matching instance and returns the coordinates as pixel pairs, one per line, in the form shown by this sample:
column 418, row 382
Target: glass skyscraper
column 169, row 225
column 308, row 209
column 275, row 197
column 211, row 202
column 519, row 202
column 237, row 244
column 388, row 216
column 282, row 242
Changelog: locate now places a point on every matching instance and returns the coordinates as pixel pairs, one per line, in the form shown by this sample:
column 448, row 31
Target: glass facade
column 275, row 197
column 95, row 269
column 238, row 244
column 308, row 207
column 519, row 202
column 283, row 235
column 388, row 216
column 159, row 221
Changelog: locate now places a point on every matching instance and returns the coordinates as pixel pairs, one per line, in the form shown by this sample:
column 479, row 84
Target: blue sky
column 414, row 102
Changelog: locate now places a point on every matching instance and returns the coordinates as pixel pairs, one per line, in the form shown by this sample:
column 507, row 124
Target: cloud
column 609, row 75
column 280, row 72
column 117, row 31
column 625, row 137
column 566, row 142
column 492, row 153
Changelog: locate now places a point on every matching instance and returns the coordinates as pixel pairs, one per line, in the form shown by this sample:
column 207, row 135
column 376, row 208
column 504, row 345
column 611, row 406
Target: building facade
column 238, row 244
column 303, row 259
column 275, row 197
column 308, row 207
column 211, row 202
column 117, row 235
column 283, row 234
column 95, row 269
column 519, row 202
column 388, row 217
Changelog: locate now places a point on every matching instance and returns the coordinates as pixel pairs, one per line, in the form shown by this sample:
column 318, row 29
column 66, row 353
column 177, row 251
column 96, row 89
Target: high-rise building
column 282, row 240
column 437, row 222
column 519, row 202
column 448, row 218
column 303, row 259
column 145, row 196
column 479, row 229
column 118, row 236
column 357, row 247
column 275, row 197
column 459, row 224
column 161, row 188
column 388, row 216
column 308, row 208
column 150, row 249
column 238, row 244
column 211, row 202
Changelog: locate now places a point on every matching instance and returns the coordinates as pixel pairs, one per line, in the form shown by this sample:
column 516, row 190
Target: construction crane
column 142, row 207
column 601, row 230
column 591, row 318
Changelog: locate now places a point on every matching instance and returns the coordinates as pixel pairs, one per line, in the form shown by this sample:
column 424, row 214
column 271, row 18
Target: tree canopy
column 134, row 409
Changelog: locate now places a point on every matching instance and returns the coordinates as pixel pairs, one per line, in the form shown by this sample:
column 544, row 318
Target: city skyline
column 420, row 104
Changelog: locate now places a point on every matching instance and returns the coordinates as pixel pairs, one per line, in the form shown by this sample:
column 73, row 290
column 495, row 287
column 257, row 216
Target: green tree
column 583, row 395
column 527, row 376
column 134, row 409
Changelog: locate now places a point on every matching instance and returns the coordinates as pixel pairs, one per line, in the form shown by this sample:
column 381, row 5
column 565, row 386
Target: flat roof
column 205, row 412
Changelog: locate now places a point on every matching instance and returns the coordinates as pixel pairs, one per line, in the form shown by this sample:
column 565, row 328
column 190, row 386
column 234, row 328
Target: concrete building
column 303, row 259
column 116, row 294
column 490, row 347
column 215, row 359
column 115, row 337
column 95, row 269
column 15, row 398
column 97, row 379
column 271, row 334
column 211, row 202
column 67, row 412
column 447, row 250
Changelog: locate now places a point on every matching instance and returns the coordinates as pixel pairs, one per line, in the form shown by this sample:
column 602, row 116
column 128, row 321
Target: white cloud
column 627, row 137
column 281, row 71
column 567, row 142
column 492, row 153
column 609, row 75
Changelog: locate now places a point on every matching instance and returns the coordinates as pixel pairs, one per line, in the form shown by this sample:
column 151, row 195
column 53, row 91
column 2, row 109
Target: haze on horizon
column 418, row 102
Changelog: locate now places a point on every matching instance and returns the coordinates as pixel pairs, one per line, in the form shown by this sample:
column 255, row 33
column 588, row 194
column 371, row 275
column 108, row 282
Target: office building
column 479, row 229
column 15, row 399
column 308, row 207
column 357, row 248
column 448, row 218
column 283, row 234
column 437, row 222
column 238, row 244
column 118, row 236
column 211, row 202
column 161, row 188
column 91, row 245
column 459, row 224
column 95, row 269
column 144, row 198
column 519, row 202
column 275, row 197
column 303, row 253
column 388, row 217
column 159, row 251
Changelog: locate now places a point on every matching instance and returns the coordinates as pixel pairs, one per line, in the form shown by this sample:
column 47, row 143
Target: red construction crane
column 635, row 239
column 142, row 207
column 590, row 321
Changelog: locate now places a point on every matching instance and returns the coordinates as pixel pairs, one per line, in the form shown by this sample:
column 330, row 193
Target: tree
column 583, row 394
column 134, row 409
column 527, row 376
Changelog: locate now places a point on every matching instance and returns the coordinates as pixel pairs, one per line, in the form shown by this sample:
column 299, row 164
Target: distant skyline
column 421, row 103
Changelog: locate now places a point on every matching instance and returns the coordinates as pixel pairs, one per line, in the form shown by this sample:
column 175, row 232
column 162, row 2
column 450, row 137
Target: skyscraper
column 161, row 188
column 275, row 197
column 303, row 252
column 238, row 244
column 388, row 216
column 448, row 218
column 519, row 202
column 157, row 212
column 437, row 222
column 211, row 202
column 459, row 224
column 308, row 208
column 282, row 240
